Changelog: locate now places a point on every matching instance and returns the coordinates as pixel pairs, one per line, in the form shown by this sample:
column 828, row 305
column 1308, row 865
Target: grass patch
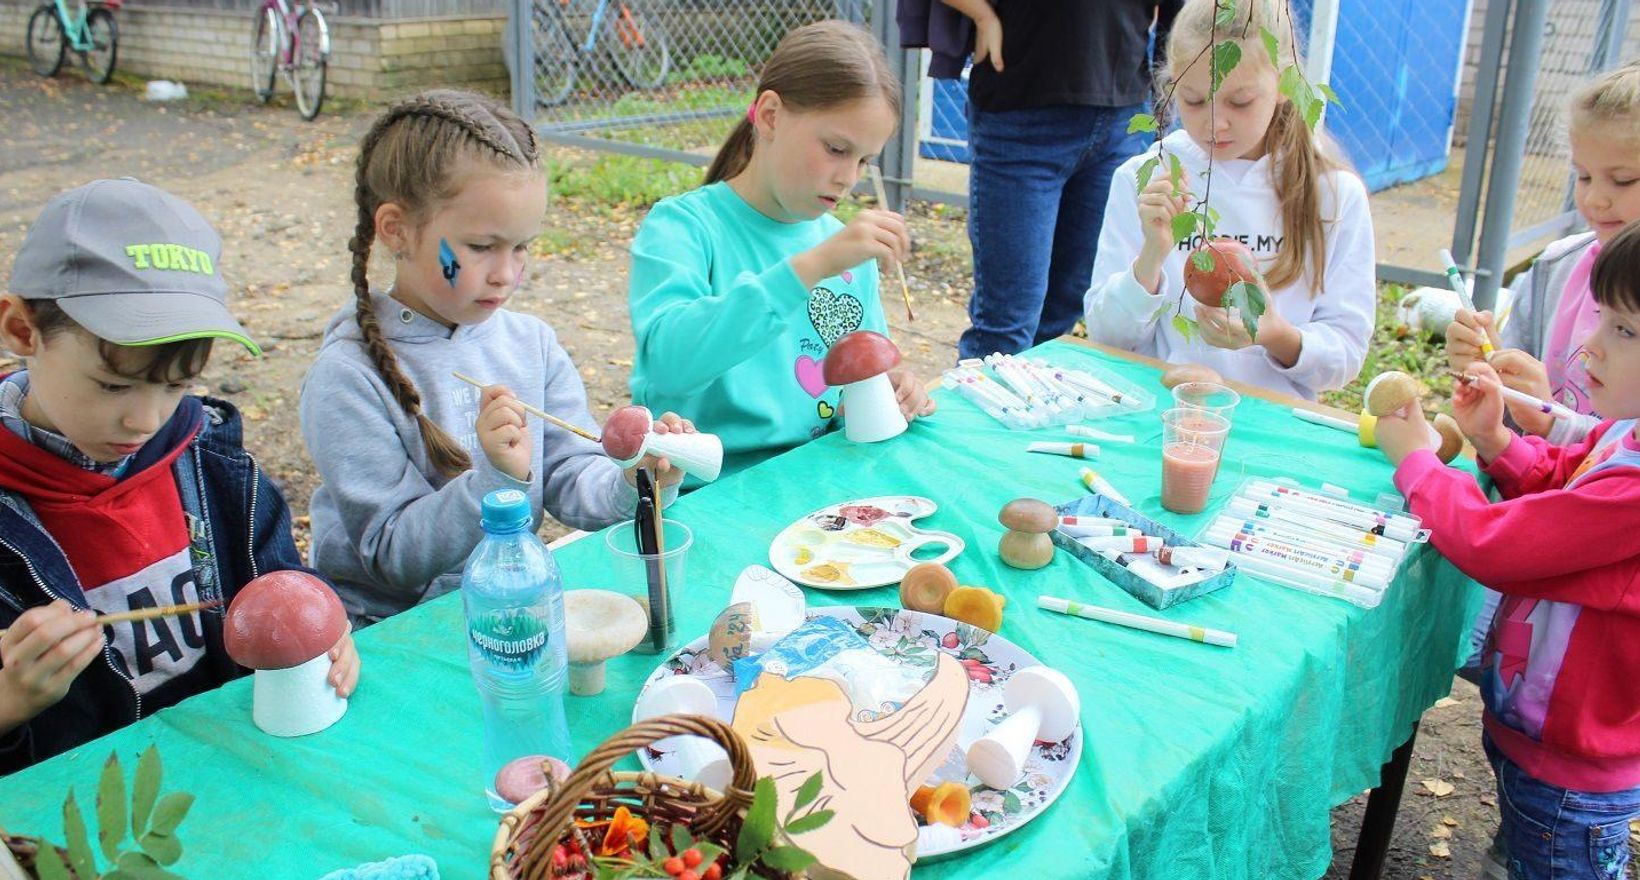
column 1395, row 346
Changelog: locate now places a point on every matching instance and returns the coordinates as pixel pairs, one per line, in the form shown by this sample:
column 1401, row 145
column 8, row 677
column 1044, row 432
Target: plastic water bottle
column 514, row 599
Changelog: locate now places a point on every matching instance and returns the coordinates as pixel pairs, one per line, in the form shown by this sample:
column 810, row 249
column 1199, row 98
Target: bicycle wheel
column 307, row 80
column 556, row 56
column 104, row 35
column 267, row 38
column 46, row 45
column 638, row 45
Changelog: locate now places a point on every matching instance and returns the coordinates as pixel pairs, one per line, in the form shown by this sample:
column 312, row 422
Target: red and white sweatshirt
column 1562, row 547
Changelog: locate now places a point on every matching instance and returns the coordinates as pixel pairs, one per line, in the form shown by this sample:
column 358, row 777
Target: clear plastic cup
column 1217, row 399
column 1192, row 444
column 656, row 580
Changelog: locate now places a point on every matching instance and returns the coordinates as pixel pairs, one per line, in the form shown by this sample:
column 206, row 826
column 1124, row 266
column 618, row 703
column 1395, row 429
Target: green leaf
column 809, row 791
column 739, row 873
column 708, row 852
column 79, row 844
column 680, row 837
column 1175, row 172
column 657, row 850
column 788, row 858
column 1272, row 46
column 1312, row 111
column 164, row 848
column 1292, row 84
column 169, row 812
column 1224, row 15
column 144, row 789
column 1146, row 169
column 812, row 822
column 139, row 866
column 1184, row 224
column 111, row 807
column 1212, row 214
column 1225, row 58
column 1185, row 326
column 1247, row 299
column 1203, row 259
column 758, row 829
column 1141, row 122
column 50, row 864
column 1327, row 92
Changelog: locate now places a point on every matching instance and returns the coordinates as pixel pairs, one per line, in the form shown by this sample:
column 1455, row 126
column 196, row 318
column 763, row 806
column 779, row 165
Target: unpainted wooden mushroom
column 1026, row 543
column 599, row 624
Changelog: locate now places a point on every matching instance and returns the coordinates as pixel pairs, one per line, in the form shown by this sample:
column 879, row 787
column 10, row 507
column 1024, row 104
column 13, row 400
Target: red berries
column 714, row 871
column 691, row 858
column 673, row 866
column 683, row 864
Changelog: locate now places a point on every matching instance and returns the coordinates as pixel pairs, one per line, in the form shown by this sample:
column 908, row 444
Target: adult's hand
column 987, row 30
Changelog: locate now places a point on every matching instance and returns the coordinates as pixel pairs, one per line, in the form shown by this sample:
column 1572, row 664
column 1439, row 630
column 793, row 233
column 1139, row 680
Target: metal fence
column 1453, row 107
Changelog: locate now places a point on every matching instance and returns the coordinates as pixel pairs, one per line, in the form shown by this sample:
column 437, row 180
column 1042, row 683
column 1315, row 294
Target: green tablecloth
column 1199, row 761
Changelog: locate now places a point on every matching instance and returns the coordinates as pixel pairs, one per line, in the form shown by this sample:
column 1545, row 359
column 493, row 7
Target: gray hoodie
column 1537, row 298
column 387, row 529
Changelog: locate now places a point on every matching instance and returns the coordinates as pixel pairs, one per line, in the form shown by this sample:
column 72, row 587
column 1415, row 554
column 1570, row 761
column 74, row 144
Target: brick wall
column 370, row 58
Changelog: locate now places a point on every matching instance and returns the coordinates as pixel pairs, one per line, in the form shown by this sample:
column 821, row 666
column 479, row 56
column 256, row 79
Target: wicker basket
column 523, row 844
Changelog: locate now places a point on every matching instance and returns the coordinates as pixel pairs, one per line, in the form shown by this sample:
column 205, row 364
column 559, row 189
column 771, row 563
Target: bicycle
column 639, row 49
column 90, row 32
column 296, row 42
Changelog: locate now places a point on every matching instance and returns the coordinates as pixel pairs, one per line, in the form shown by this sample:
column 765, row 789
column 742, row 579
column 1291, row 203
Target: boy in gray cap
column 118, row 490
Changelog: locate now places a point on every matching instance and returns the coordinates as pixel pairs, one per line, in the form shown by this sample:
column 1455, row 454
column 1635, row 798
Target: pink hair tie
column 751, row 114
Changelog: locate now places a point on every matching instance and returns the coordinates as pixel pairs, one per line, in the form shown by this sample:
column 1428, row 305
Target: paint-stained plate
column 858, row 545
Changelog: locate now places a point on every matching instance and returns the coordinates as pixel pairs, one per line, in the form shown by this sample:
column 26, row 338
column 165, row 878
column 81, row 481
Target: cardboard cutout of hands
column 870, row 769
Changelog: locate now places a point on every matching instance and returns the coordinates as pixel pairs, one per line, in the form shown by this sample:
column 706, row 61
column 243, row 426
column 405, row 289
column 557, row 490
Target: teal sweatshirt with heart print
column 726, row 333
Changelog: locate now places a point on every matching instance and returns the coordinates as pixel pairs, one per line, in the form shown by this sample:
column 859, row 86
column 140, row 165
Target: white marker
column 1214, row 558
column 1309, row 531
column 1138, row 621
column 1315, row 418
column 1074, row 450
column 1347, row 559
column 1097, row 530
column 1123, row 543
column 1102, row 486
column 1461, row 288
column 1396, row 525
column 1308, row 581
column 1318, row 564
column 1096, row 434
column 1547, row 407
column 1091, row 521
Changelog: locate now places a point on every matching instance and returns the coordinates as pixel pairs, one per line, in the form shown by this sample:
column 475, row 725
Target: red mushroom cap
column 859, row 356
column 1232, row 262
column 283, row 619
column 624, row 432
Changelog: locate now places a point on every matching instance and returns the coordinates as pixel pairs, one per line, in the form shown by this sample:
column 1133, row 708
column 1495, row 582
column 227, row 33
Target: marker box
column 1165, row 586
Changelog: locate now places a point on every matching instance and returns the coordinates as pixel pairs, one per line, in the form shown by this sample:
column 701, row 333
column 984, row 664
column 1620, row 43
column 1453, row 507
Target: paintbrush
column 538, row 413
column 647, row 525
column 882, row 201
column 151, row 613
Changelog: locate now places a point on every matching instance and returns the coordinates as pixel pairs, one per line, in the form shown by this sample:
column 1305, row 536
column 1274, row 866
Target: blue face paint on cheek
column 447, row 261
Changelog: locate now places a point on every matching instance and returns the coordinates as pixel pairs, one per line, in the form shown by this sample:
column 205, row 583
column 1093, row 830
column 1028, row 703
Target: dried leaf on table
column 1438, row 787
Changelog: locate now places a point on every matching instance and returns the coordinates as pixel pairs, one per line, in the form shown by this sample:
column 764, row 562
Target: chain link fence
column 660, row 78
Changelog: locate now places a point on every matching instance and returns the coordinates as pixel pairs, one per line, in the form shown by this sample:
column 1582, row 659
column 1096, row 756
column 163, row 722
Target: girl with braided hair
column 448, row 183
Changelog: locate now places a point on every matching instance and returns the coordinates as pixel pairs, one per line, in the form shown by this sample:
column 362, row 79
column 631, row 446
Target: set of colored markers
column 1026, row 394
column 1314, row 542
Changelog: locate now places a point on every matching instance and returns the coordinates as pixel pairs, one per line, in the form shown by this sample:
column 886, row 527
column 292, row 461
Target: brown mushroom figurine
column 1388, row 393
column 925, row 587
column 599, row 624
column 283, row 625
column 1026, row 543
column 522, row 777
column 1178, row 374
column 1231, row 261
column 859, row 363
column 629, row 435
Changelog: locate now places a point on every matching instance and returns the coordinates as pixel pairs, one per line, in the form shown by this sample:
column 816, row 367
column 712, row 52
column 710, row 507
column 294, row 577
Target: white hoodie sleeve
column 1335, row 338
column 1118, row 310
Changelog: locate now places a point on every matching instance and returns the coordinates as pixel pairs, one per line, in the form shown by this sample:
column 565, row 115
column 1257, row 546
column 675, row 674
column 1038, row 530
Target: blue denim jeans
column 1036, row 192
column 1551, row 833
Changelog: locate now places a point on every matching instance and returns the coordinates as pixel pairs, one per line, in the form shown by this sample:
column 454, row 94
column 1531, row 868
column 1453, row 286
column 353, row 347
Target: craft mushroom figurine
column 1026, row 543
column 1388, row 392
column 599, row 624
column 925, row 587
column 522, row 777
column 693, row 757
column 1042, row 705
column 283, row 625
column 1231, row 262
column 859, row 362
column 628, row 436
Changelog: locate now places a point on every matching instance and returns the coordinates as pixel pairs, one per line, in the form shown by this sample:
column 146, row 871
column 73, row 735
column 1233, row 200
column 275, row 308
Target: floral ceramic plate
column 860, row 544
column 911, row 638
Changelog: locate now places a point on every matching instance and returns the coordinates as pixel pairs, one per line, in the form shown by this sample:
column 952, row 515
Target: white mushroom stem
column 586, row 679
column 295, row 701
column 870, row 410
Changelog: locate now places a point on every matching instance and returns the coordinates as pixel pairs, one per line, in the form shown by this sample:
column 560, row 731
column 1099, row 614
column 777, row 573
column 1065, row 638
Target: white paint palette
column 858, row 545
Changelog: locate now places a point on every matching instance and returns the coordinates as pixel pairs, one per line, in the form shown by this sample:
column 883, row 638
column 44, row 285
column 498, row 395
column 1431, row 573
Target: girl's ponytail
column 732, row 157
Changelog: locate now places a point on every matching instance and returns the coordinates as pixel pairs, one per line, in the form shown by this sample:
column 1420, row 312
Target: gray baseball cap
column 130, row 263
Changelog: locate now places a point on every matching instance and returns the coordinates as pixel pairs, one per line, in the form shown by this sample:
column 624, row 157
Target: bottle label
column 511, row 638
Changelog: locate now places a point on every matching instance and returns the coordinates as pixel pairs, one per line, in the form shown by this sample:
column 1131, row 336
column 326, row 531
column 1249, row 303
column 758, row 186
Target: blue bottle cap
column 505, row 510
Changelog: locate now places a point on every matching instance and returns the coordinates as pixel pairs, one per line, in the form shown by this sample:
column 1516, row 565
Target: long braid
column 425, row 117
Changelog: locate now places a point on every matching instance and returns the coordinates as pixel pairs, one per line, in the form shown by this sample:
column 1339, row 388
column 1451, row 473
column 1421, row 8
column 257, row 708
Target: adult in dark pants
column 1047, row 126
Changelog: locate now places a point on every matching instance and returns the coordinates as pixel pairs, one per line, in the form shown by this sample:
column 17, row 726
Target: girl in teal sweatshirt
column 741, row 286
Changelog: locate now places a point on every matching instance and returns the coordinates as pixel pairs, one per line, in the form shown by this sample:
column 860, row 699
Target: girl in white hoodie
column 1277, row 187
